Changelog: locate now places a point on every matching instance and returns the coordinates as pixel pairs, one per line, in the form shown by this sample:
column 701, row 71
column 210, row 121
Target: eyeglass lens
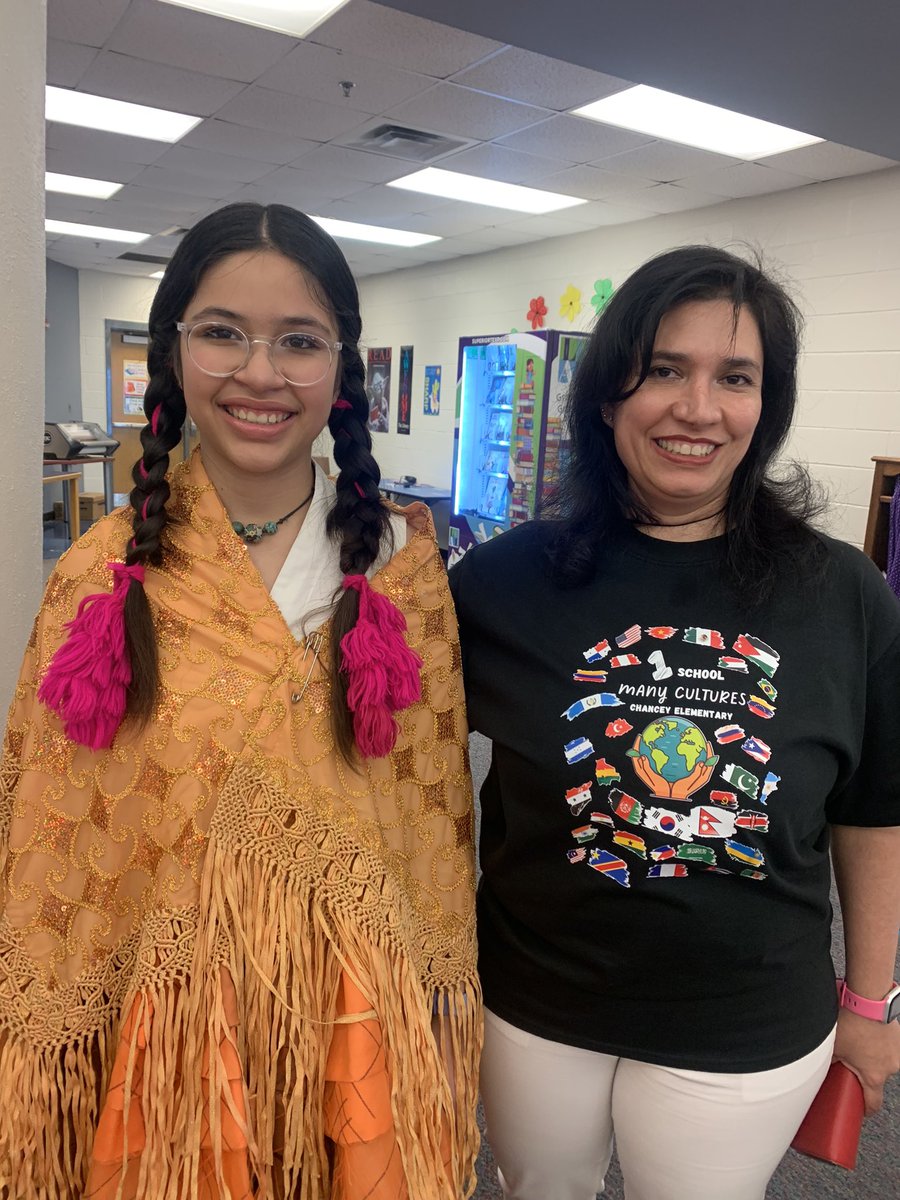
column 300, row 358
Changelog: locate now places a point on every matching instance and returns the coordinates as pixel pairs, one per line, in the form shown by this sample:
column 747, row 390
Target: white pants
column 551, row 1111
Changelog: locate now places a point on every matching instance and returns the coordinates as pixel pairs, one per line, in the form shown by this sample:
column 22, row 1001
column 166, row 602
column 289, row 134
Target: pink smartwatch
column 884, row 1010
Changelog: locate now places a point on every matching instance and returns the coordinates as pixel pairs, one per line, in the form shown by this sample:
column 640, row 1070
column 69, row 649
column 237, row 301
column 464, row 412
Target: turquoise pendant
column 251, row 533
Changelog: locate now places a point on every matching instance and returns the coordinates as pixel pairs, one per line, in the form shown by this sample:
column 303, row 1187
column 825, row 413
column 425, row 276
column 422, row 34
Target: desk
column 69, row 480
column 91, row 460
column 414, row 491
column 437, row 499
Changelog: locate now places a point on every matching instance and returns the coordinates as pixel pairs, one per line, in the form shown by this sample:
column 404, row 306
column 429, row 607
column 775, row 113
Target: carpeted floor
column 877, row 1176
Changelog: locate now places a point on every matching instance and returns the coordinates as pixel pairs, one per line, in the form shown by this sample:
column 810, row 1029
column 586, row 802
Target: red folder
column 831, row 1128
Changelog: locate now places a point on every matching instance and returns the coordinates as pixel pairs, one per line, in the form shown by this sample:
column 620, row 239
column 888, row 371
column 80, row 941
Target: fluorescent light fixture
column 116, row 116
column 78, row 185
column 475, row 190
column 693, row 123
column 98, row 232
column 157, row 275
column 296, row 18
column 373, row 233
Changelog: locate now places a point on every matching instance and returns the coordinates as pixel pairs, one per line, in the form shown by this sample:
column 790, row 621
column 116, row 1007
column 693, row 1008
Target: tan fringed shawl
column 230, row 965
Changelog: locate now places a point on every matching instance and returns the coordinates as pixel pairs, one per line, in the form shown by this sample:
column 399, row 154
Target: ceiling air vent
column 156, row 259
column 396, row 141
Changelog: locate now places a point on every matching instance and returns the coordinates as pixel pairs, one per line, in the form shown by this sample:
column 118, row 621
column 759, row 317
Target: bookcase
column 884, row 479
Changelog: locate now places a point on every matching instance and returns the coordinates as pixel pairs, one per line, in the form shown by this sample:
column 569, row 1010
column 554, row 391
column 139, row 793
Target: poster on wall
column 378, row 387
column 404, row 389
column 432, row 397
column 134, row 384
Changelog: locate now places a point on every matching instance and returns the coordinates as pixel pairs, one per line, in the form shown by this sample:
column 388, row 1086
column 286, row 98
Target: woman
column 237, row 953
column 690, row 695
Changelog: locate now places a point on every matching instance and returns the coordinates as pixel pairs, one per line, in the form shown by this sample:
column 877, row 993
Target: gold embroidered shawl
column 205, row 926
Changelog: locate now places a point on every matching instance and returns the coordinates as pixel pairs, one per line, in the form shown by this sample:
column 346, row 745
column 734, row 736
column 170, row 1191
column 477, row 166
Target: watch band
column 884, row 1010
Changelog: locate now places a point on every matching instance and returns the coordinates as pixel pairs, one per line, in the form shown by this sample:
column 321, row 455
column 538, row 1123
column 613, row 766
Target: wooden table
column 69, row 480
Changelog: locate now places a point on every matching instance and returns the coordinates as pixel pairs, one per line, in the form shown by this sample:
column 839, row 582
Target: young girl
column 236, row 948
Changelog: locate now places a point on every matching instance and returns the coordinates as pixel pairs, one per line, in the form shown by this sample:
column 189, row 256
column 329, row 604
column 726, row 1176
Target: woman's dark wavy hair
column 359, row 520
column 766, row 517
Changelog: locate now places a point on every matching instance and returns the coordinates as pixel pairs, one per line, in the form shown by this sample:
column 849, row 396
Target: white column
column 23, row 72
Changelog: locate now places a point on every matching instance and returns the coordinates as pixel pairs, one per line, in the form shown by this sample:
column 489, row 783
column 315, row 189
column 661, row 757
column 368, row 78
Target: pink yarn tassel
column 87, row 682
column 383, row 670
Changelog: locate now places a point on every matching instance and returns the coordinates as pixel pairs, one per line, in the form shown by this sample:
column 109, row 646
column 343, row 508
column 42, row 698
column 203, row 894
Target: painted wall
column 62, row 346
column 835, row 244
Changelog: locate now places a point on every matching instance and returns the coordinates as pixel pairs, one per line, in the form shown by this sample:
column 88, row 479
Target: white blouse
column 308, row 584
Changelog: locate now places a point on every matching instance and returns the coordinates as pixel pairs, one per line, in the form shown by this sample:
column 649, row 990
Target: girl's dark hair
column 766, row 517
column 359, row 520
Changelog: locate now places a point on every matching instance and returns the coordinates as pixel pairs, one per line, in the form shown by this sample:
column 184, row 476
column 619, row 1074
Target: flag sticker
column 595, row 653
column 584, row 833
column 746, row 819
column 767, row 689
column 729, row 663
column 761, row 708
column 586, row 703
column 578, row 798
column 626, row 807
column 744, row 781
column 601, row 818
column 576, row 856
column 707, row 822
column 605, row 773
column 662, row 853
column 631, row 841
column 757, row 749
column 618, row 728
column 770, row 785
column 578, row 749
column 726, row 799
column 661, row 632
column 629, row 637
column 611, row 866
column 662, row 820
column 704, row 637
column 756, row 651
column 589, row 676
column 667, row 870
column 744, row 854
column 729, row 733
column 700, row 854
column 625, row 660
column 748, row 874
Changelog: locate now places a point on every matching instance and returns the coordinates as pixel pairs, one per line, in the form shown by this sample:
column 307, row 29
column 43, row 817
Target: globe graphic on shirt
column 666, row 755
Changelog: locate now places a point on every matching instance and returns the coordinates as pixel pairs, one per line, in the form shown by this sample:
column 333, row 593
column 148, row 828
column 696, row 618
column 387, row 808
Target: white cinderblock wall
column 836, row 244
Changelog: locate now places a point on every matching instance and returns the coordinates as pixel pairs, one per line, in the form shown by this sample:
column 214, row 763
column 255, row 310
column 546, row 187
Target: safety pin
column 314, row 643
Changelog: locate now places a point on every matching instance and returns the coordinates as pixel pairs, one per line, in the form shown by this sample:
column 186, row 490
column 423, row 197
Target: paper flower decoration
column 570, row 302
column 603, row 290
column 536, row 312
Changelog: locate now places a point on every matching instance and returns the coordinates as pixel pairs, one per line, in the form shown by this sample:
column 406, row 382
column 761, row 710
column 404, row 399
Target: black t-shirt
column 654, row 844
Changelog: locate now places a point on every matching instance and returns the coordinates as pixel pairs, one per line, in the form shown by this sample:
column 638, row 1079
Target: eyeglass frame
column 333, row 348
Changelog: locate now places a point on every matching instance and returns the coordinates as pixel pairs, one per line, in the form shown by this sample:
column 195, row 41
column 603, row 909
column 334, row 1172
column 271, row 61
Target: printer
column 77, row 439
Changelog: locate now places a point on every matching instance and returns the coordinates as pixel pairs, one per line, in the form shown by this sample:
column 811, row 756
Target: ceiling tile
column 93, row 165
column 295, row 115
column 59, row 207
column 122, row 77
column 665, row 162
column 88, row 22
column 666, row 198
column 307, row 190
column 247, row 142
column 67, row 62
column 374, row 205
column 164, row 207
column 317, row 71
column 521, row 75
column 448, row 108
column 607, row 212
column 74, row 140
column 745, row 179
column 216, row 166
column 382, row 33
column 182, row 38
column 186, row 183
column 590, row 183
column 574, row 139
column 548, row 225
column 354, row 164
column 454, row 218
column 827, row 160
column 491, row 161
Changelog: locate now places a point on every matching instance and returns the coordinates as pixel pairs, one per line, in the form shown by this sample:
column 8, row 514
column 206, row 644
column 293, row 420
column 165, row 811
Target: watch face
column 892, row 1005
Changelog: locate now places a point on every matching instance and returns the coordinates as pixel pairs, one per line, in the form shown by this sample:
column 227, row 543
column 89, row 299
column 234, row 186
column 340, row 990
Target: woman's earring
column 606, row 413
